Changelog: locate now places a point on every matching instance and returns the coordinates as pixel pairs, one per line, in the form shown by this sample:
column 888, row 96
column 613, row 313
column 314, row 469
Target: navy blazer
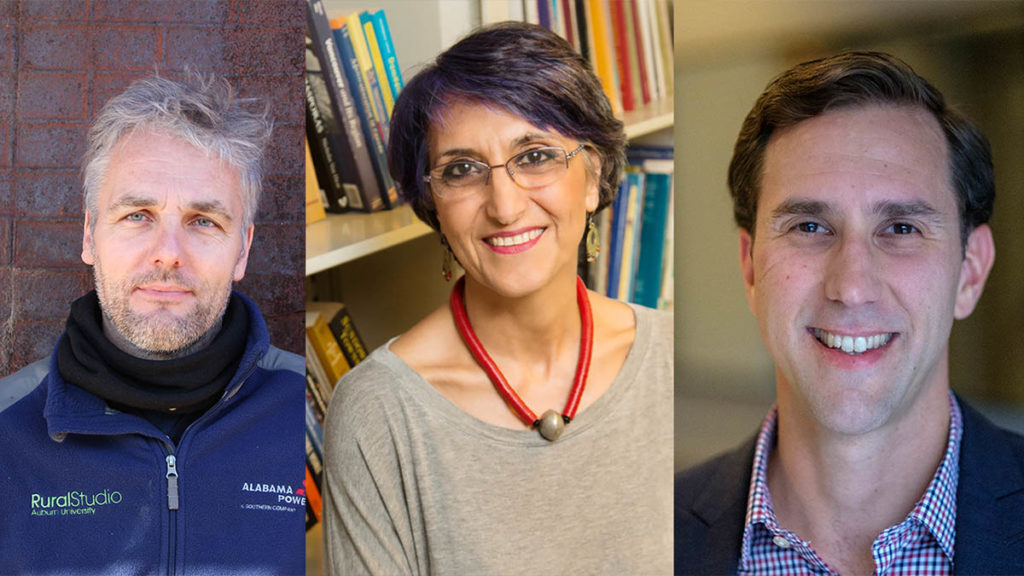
column 711, row 505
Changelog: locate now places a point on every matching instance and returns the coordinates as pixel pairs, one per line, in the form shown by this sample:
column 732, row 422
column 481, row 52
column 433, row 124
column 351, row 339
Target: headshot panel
column 151, row 402
column 856, row 329
column 502, row 387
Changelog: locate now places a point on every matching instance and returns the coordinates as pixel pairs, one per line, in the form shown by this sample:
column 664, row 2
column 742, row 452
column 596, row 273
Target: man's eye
column 901, row 228
column 136, row 217
column 204, row 222
column 811, row 228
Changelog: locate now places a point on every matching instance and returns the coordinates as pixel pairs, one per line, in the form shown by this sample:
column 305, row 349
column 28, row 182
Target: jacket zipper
column 172, row 508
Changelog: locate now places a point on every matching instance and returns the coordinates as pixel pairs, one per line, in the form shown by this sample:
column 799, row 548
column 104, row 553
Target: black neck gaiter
column 189, row 384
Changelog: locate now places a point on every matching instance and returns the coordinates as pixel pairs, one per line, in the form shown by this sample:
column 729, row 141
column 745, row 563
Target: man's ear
column 747, row 266
column 243, row 258
column 87, row 256
column 979, row 255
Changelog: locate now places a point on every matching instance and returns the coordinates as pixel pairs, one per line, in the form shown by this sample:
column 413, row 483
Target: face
column 511, row 239
column 857, row 270
column 166, row 242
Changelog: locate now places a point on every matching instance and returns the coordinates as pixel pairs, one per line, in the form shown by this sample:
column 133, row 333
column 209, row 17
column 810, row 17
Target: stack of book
column 352, row 79
column 628, row 42
column 333, row 347
column 636, row 233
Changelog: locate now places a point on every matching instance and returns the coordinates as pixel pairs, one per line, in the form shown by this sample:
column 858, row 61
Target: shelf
column 341, row 238
column 657, row 115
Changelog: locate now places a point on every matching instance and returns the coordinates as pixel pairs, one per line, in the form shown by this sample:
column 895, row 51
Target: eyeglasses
column 533, row 168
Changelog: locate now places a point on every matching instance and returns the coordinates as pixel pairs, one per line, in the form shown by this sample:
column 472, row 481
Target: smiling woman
column 529, row 401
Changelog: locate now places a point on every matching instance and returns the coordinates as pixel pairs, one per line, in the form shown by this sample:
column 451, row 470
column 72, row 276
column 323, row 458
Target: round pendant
column 551, row 425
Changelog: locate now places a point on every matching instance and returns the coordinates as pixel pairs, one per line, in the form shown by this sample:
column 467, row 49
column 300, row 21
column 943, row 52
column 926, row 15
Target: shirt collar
column 936, row 509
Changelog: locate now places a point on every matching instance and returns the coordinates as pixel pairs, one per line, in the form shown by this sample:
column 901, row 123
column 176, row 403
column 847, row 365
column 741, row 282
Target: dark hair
column 852, row 79
column 525, row 69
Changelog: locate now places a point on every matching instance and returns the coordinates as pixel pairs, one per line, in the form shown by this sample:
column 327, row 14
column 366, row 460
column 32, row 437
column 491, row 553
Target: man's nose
column 852, row 274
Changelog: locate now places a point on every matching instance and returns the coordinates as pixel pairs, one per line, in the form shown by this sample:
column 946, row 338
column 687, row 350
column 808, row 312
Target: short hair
column 201, row 110
column 525, row 69
column 857, row 79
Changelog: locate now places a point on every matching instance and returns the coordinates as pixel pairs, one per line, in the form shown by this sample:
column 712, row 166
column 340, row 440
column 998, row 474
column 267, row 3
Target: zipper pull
column 172, row 483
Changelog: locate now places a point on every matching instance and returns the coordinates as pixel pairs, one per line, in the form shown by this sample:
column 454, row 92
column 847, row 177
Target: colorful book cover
column 649, row 270
column 373, row 46
column 387, row 52
column 620, row 40
column 604, row 54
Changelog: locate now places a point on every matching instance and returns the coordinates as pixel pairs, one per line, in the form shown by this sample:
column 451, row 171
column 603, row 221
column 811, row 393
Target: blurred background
column 726, row 53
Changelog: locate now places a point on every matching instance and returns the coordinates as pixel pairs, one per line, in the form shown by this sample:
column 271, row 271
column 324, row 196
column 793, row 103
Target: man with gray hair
column 164, row 434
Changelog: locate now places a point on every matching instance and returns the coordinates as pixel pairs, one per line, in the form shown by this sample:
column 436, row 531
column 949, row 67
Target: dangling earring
column 593, row 240
column 446, row 264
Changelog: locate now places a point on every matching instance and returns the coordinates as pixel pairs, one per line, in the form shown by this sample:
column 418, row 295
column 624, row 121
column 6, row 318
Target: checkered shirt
column 920, row 545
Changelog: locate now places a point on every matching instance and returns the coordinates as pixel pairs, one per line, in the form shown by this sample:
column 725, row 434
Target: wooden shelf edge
column 327, row 248
column 656, row 116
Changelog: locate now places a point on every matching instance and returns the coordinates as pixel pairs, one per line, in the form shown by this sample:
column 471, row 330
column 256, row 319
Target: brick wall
column 59, row 62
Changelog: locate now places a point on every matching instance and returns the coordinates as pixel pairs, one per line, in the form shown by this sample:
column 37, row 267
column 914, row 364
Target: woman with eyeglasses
column 527, row 425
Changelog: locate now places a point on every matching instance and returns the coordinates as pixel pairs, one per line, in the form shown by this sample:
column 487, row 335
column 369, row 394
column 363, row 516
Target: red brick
column 284, row 94
column 6, row 192
column 275, row 294
column 125, row 48
column 251, row 50
column 7, row 36
column 52, row 96
column 7, row 95
column 32, row 340
column 8, row 10
column 283, row 199
column 47, row 294
column 48, row 244
column 278, row 249
column 42, row 194
column 288, row 332
column 203, row 11
column 5, row 144
column 48, row 145
column 51, row 10
column 5, row 243
column 266, row 13
column 195, row 48
column 286, row 152
column 45, row 46
column 64, row 47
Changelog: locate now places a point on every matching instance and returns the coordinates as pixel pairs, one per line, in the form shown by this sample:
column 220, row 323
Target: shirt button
column 781, row 542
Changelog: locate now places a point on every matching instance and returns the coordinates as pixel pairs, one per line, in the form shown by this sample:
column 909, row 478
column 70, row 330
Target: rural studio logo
column 273, row 497
column 73, row 503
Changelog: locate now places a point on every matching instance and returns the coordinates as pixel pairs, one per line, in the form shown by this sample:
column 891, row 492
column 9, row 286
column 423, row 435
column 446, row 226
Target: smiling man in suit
column 862, row 202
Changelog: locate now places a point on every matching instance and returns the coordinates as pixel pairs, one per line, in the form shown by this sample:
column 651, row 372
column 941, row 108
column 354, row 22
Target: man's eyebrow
column 800, row 207
column 210, row 207
column 215, row 207
column 890, row 210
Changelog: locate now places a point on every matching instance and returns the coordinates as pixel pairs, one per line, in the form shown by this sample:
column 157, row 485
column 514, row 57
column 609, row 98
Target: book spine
column 633, row 223
column 652, row 240
column 370, row 118
column 621, row 41
column 603, row 57
column 387, row 52
column 344, row 329
column 319, row 123
column 327, row 349
column 373, row 45
column 618, row 231
column 316, row 200
column 353, row 145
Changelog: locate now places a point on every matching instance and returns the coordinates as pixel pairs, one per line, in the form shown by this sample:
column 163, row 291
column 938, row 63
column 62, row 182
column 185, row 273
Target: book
column 352, row 153
column 604, row 56
column 343, row 328
column 387, row 49
column 327, row 349
column 650, row 262
column 319, row 123
column 620, row 41
column 373, row 45
column 315, row 198
column 372, row 120
column 632, row 221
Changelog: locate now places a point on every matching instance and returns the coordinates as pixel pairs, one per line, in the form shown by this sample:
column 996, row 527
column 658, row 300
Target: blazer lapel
column 990, row 499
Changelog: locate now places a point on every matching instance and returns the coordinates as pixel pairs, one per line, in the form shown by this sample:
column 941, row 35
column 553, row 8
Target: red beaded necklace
column 551, row 423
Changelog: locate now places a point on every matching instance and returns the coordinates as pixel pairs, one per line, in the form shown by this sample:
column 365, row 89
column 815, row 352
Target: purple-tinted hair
column 523, row 68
